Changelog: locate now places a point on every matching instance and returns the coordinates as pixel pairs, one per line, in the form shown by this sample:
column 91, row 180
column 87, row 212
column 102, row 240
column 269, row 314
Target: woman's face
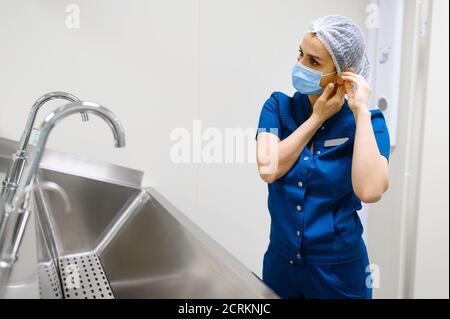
column 314, row 55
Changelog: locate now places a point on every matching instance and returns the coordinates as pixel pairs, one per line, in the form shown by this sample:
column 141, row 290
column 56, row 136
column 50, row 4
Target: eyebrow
column 313, row 56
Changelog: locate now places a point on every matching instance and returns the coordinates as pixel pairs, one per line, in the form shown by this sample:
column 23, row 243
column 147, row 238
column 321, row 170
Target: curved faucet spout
column 25, row 138
column 14, row 210
column 12, row 179
column 59, row 114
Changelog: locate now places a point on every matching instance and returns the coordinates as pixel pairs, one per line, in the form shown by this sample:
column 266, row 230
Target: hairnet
column 344, row 41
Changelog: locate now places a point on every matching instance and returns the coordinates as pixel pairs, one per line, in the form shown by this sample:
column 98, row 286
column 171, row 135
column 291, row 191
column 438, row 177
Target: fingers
column 348, row 87
column 337, row 101
column 348, row 78
column 349, row 70
column 349, row 90
column 340, row 93
column 326, row 93
column 347, row 73
column 352, row 77
column 340, row 96
column 341, row 90
column 358, row 80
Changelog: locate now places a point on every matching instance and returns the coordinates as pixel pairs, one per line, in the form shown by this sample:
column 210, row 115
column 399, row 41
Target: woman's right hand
column 325, row 107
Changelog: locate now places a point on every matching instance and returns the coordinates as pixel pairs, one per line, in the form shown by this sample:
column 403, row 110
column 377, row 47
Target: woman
column 321, row 155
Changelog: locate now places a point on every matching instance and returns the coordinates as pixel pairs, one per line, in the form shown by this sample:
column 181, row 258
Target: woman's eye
column 314, row 62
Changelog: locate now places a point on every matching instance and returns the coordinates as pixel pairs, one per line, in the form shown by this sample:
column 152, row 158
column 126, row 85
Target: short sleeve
column 269, row 118
column 381, row 133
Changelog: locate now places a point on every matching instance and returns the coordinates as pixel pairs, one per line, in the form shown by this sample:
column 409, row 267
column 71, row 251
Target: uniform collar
column 301, row 108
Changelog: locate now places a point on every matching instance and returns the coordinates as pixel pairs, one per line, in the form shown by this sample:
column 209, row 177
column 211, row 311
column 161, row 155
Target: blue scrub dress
column 316, row 248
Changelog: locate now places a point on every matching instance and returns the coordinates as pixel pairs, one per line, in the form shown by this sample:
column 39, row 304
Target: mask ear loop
column 330, row 74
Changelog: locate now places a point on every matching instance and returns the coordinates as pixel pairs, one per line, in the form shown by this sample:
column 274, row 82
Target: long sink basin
column 119, row 240
column 138, row 245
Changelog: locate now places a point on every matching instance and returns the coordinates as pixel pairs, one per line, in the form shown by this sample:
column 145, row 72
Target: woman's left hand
column 358, row 99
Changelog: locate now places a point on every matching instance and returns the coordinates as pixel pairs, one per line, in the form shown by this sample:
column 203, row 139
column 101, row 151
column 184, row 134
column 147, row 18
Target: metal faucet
column 11, row 181
column 14, row 211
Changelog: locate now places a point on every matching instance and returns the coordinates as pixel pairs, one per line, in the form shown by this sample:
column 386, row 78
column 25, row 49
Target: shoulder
column 377, row 113
column 279, row 102
column 279, row 98
column 378, row 120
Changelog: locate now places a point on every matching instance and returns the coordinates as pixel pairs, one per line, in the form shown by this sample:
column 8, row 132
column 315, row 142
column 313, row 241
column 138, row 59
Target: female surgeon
column 321, row 155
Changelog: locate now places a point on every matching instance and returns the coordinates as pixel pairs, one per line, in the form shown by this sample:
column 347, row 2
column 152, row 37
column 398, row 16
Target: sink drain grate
column 83, row 277
column 49, row 286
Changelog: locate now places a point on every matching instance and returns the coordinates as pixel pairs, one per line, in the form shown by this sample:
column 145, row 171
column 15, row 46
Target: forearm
column 369, row 168
column 290, row 148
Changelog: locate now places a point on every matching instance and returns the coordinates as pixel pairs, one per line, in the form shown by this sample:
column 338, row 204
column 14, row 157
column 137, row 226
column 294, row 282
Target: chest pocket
column 332, row 148
column 333, row 168
column 335, row 142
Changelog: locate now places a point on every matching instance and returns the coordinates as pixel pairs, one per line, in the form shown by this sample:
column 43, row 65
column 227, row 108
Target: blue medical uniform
column 316, row 248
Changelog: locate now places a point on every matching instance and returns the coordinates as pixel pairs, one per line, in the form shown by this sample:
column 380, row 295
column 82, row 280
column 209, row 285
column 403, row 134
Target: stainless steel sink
column 123, row 241
column 119, row 240
column 138, row 246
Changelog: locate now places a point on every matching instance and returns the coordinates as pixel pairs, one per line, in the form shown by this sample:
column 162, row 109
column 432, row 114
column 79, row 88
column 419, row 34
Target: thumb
column 348, row 88
column 326, row 93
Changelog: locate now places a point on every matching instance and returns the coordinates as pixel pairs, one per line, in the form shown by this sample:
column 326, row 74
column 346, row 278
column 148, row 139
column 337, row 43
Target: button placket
column 300, row 231
column 319, row 147
column 302, row 185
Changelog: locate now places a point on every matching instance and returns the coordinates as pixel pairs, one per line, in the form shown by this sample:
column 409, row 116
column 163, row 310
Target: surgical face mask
column 306, row 80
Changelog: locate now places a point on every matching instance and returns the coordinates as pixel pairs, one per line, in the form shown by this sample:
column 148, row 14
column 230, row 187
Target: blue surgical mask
column 307, row 80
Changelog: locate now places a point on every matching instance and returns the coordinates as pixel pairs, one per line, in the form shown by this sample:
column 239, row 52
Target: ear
column 340, row 81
